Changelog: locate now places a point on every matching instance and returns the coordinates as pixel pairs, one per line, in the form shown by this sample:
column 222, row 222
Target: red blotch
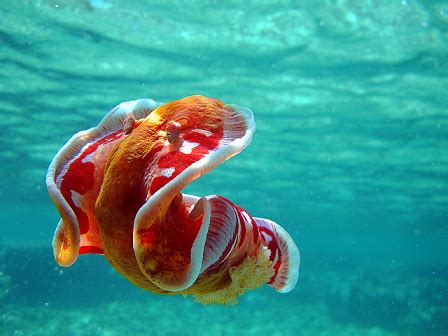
column 90, row 249
column 208, row 142
column 179, row 160
column 157, row 183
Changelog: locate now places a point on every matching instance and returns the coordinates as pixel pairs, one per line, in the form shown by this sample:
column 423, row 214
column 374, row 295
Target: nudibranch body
column 118, row 188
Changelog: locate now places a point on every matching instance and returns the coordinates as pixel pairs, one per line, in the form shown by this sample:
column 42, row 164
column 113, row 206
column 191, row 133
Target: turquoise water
column 350, row 156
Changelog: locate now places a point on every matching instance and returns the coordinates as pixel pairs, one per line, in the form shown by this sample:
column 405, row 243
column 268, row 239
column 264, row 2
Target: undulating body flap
column 75, row 176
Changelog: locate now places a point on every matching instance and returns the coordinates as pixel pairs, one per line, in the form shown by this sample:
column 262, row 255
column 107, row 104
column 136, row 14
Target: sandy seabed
column 38, row 298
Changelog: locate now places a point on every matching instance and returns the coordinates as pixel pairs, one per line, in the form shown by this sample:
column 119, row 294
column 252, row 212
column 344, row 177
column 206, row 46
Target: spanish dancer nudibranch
column 118, row 188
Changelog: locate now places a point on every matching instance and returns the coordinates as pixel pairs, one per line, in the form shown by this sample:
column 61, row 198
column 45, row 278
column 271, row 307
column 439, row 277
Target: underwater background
column 350, row 156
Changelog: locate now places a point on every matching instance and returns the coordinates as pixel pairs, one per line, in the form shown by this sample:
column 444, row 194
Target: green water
column 350, row 156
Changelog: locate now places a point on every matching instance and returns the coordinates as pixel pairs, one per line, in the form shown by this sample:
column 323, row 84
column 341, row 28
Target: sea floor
column 38, row 298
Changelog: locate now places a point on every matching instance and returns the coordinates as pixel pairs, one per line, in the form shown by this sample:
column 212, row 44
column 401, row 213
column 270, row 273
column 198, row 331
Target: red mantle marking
column 80, row 178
